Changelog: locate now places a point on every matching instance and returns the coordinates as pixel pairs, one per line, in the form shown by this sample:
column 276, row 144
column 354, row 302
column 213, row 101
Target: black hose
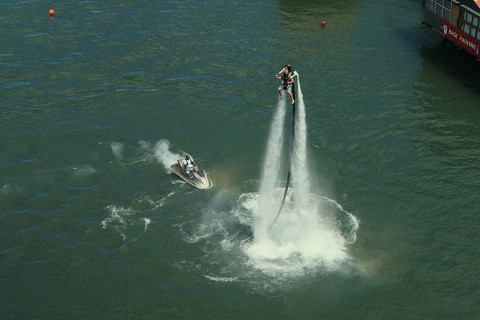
column 289, row 160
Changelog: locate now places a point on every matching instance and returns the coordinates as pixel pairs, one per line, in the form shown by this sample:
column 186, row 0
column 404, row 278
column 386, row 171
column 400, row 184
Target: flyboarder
column 286, row 75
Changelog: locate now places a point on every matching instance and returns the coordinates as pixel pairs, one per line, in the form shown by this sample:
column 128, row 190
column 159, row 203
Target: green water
column 92, row 225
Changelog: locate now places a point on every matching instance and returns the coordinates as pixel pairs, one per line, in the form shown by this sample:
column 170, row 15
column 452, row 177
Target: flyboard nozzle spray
column 293, row 74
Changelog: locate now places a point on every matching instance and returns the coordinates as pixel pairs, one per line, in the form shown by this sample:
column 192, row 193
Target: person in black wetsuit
column 287, row 82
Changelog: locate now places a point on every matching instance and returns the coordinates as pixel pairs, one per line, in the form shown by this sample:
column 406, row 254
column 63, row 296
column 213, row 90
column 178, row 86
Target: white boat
column 191, row 173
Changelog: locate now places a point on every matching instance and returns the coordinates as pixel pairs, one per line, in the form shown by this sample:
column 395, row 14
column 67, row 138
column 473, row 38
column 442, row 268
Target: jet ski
column 187, row 169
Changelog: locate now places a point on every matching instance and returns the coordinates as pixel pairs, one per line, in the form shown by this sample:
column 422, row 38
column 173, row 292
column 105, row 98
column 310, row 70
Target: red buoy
column 323, row 23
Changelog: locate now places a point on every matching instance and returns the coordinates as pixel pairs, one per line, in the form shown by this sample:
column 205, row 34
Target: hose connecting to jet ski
column 290, row 156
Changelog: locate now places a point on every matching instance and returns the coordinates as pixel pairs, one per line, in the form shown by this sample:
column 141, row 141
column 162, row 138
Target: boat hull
column 199, row 179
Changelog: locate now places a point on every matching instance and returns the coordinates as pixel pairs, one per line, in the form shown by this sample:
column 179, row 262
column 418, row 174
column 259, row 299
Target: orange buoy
column 52, row 13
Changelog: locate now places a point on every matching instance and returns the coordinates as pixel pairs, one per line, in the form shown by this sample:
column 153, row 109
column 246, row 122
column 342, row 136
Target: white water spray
column 164, row 155
column 311, row 235
column 271, row 166
column 300, row 176
column 117, row 150
column 300, row 238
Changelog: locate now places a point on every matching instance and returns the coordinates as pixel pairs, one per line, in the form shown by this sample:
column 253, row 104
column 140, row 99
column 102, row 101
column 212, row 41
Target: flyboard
column 287, row 184
column 191, row 173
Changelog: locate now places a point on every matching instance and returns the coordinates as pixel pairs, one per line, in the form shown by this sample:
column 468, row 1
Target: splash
column 128, row 221
column 267, row 261
column 312, row 234
column 164, row 155
column 271, row 168
column 147, row 222
column 117, row 219
column 305, row 236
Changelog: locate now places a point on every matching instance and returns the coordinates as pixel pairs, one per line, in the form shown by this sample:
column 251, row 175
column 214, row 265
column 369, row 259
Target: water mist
column 300, row 238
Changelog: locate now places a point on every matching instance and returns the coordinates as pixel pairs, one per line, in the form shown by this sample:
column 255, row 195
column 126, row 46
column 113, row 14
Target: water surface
column 93, row 226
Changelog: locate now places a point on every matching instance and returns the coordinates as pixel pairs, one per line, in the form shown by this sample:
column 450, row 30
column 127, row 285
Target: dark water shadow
column 451, row 60
column 455, row 62
column 302, row 6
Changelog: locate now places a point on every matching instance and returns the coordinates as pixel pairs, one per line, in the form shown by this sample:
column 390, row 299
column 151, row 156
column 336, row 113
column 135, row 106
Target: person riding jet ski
column 188, row 165
column 187, row 169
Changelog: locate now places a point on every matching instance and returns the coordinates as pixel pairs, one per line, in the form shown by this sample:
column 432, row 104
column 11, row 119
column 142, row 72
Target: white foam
column 83, row 171
column 116, row 216
column 298, row 242
column 116, row 219
column 125, row 221
column 117, row 149
column 221, row 279
column 8, row 189
column 156, row 204
column 147, row 222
